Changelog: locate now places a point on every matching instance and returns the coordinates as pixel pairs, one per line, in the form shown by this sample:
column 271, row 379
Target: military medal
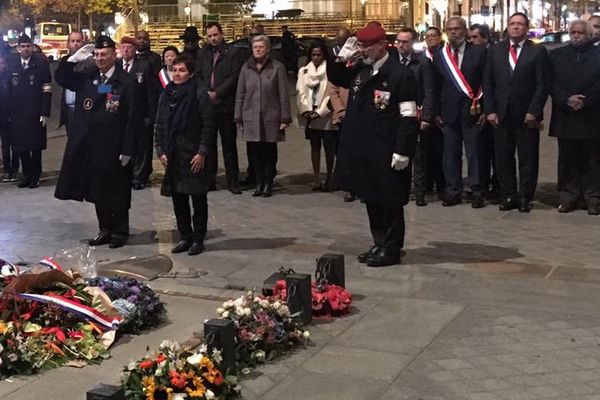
column 381, row 99
column 15, row 81
column 31, row 79
column 140, row 77
column 88, row 104
column 112, row 102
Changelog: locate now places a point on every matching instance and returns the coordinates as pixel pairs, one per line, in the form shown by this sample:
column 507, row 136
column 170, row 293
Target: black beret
column 24, row 39
column 104, row 42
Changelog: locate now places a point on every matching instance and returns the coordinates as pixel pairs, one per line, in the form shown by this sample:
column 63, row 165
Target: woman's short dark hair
column 169, row 48
column 187, row 60
column 318, row 44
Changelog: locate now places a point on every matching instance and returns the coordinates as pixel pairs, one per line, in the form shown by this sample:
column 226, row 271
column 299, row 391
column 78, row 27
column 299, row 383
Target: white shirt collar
column 23, row 60
column 521, row 43
column 110, row 72
column 377, row 64
column 130, row 63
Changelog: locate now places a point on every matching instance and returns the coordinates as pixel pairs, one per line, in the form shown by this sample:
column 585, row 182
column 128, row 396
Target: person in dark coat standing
column 460, row 67
column 378, row 141
column 428, row 157
column 67, row 102
column 97, row 164
column 219, row 66
column 149, row 89
column 576, row 119
column 185, row 133
column 516, row 86
column 289, row 50
column 262, row 111
column 10, row 161
column 145, row 53
column 190, row 39
column 30, row 100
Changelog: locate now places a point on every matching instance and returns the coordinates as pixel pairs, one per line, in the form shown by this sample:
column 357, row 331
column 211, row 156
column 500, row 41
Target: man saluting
column 96, row 165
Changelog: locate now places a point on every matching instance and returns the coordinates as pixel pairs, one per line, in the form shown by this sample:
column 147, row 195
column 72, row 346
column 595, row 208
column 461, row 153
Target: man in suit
column 97, row 161
column 460, row 67
column 218, row 68
column 67, row 103
column 145, row 54
column 516, row 85
column 428, row 156
column 149, row 87
column 30, row 96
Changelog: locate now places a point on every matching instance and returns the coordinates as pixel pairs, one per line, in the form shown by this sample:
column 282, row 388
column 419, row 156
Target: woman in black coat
column 185, row 131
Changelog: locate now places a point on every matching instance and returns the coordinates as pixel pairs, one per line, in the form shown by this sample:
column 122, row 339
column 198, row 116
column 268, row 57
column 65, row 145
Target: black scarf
column 180, row 99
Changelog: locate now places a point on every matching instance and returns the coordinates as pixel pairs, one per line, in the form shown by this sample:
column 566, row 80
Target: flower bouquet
column 264, row 328
column 327, row 300
column 139, row 306
column 173, row 373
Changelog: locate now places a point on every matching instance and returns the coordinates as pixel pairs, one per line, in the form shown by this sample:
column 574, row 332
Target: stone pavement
column 486, row 305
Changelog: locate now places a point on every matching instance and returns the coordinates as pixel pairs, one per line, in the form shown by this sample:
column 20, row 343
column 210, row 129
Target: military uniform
column 30, row 94
column 104, row 130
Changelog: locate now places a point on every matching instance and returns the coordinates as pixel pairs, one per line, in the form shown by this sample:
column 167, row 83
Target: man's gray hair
column 587, row 27
column 264, row 39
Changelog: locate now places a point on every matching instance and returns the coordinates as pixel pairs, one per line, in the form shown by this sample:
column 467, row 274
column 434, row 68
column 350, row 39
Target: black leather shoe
column 477, row 202
column 259, row 190
column 115, row 243
column 508, row 204
column 366, row 256
column 100, row 239
column 384, row 257
column 566, row 208
column 524, row 206
column 34, row 184
column 451, row 201
column 138, row 186
column 182, row 246
column 420, row 200
column 234, row 187
column 23, row 184
column 196, row 248
column 594, row 209
column 268, row 192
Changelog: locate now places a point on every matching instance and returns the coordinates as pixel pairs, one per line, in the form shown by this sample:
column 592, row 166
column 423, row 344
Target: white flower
column 239, row 301
column 247, row 311
column 179, row 396
column 260, row 356
column 194, row 359
column 228, row 303
column 277, row 304
column 131, row 366
column 168, row 344
column 306, row 335
column 216, row 355
column 1, row 348
column 239, row 311
column 246, row 371
column 209, row 395
column 225, row 314
column 203, row 349
column 220, row 310
column 264, row 303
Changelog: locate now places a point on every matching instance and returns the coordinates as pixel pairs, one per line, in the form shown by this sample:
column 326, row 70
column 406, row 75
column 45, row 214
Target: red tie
column 212, row 74
column 455, row 54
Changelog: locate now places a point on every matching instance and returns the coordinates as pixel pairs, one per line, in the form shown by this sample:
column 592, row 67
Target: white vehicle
column 52, row 38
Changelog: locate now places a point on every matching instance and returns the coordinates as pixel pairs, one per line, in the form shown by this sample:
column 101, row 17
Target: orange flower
column 196, row 388
column 214, row 376
column 206, row 363
column 177, row 380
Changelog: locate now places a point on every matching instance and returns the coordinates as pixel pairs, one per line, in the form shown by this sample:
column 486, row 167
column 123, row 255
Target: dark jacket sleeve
column 284, row 94
column 153, row 90
column 429, row 91
column 489, row 85
column 66, row 77
column 227, row 86
column 208, row 134
column 46, row 78
column 543, row 82
column 160, row 126
column 406, row 135
column 133, row 115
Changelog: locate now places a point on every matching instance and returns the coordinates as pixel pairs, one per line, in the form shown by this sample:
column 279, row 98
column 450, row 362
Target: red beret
column 371, row 34
column 129, row 40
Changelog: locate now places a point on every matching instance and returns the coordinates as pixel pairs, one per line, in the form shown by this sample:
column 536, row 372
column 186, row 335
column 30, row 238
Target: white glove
column 399, row 162
column 124, row 159
column 82, row 54
column 350, row 50
column 44, row 121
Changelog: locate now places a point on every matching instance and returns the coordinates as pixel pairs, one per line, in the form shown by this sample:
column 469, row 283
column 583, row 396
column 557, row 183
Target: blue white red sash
column 512, row 56
column 457, row 77
column 85, row 312
column 429, row 55
column 48, row 262
column 164, row 78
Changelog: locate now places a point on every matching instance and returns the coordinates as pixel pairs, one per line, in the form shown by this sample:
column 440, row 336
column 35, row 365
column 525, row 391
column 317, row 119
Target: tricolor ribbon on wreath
column 87, row 313
column 460, row 81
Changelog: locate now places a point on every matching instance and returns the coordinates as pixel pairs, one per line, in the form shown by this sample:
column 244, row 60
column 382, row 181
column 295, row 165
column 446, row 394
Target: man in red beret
column 380, row 134
column 149, row 87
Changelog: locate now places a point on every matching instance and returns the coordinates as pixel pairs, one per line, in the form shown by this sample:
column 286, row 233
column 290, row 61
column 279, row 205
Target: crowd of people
column 385, row 117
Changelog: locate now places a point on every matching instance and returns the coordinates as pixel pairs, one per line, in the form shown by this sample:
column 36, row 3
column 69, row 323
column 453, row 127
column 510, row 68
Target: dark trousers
column 10, row 160
column 489, row 178
column 115, row 222
column 428, row 161
column 387, row 225
column 191, row 228
column 70, row 119
column 32, row 165
column 454, row 136
column 264, row 161
column 228, row 132
column 579, row 171
column 142, row 161
column 512, row 134
column 250, row 178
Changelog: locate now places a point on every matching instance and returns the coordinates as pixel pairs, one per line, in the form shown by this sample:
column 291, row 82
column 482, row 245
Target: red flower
column 160, row 358
column 177, row 380
column 146, row 364
column 218, row 377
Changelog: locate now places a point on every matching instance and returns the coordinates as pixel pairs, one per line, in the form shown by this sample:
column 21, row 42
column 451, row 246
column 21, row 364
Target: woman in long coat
column 262, row 111
column 576, row 119
column 185, row 131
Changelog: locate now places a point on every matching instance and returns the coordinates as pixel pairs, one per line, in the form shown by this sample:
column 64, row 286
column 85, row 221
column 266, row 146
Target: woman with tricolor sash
column 165, row 75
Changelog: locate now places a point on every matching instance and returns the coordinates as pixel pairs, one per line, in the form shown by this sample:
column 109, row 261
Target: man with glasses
column 97, row 163
column 428, row 155
column 516, row 85
column 576, row 119
column 378, row 142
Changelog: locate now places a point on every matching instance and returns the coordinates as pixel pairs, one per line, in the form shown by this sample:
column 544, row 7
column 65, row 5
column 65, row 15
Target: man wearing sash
column 378, row 143
column 460, row 66
column 516, row 85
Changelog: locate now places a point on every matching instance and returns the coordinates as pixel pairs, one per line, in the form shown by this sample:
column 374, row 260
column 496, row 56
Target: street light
column 363, row 4
column 188, row 12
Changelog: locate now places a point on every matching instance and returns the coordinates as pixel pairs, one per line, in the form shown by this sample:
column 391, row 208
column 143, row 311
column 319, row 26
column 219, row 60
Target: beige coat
column 262, row 101
column 338, row 97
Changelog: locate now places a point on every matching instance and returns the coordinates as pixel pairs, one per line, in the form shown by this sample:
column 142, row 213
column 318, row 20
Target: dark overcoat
column 198, row 137
column 101, row 132
column 576, row 71
column 30, row 98
column 371, row 135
